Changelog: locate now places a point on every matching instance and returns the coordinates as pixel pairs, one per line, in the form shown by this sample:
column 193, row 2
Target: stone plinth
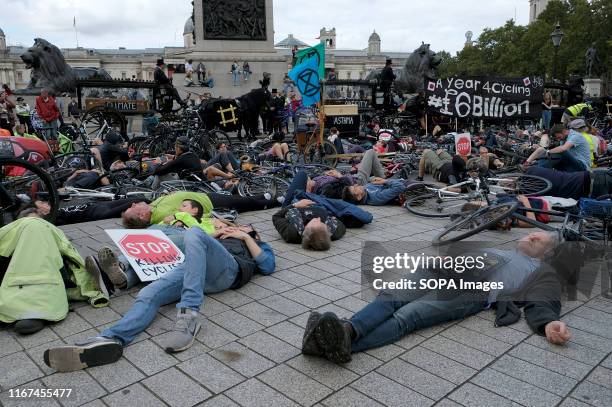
column 592, row 87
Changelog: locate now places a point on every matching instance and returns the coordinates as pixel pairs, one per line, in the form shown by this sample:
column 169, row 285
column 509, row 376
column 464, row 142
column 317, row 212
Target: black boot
column 334, row 337
column 310, row 346
column 28, row 326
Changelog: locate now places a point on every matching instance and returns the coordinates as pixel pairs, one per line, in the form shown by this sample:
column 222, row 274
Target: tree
column 514, row 50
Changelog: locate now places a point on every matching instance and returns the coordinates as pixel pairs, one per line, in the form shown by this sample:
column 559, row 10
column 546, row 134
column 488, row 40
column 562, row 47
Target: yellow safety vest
column 577, row 109
column 591, row 147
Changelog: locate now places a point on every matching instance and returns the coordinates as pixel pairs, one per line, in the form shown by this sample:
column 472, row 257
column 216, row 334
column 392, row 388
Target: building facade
column 139, row 64
column 536, row 7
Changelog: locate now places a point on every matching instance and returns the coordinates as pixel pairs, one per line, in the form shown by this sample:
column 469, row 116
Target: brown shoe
column 109, row 265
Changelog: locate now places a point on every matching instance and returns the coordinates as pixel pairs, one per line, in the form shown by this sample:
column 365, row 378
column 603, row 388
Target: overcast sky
column 402, row 25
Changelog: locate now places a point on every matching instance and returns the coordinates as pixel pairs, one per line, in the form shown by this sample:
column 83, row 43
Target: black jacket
column 109, row 153
column 186, row 162
column 160, row 77
column 290, row 234
column 386, row 77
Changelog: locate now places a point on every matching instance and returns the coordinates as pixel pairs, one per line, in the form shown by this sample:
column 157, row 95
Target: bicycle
column 443, row 202
column 593, row 223
column 22, row 182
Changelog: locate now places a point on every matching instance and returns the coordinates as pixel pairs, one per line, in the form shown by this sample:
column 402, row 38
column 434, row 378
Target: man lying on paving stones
column 396, row 313
column 36, row 288
column 442, row 166
column 314, row 220
column 371, row 188
column 576, row 185
column 211, row 265
column 142, row 214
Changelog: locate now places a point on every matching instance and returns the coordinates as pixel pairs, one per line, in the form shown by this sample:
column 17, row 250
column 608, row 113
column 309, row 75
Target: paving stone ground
column 248, row 352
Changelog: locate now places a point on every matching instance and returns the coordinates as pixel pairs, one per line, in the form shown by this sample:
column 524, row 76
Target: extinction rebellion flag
column 306, row 76
column 485, row 97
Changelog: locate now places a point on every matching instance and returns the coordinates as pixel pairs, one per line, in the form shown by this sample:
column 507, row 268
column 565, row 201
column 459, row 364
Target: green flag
column 318, row 52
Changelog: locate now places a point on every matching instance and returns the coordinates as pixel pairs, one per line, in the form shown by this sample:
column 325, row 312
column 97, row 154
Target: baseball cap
column 577, row 124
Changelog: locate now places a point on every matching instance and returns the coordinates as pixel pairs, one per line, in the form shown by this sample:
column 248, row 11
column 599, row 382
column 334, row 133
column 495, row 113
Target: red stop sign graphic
column 150, row 249
column 463, row 145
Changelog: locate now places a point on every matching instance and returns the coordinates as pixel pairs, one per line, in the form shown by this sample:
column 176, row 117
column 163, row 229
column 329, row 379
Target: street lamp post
column 556, row 36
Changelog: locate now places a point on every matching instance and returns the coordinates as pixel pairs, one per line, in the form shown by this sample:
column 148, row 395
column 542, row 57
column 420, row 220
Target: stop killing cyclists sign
column 150, row 252
column 463, row 144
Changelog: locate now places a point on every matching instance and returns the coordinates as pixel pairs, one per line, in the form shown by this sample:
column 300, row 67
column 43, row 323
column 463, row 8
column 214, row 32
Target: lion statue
column 50, row 70
column 421, row 64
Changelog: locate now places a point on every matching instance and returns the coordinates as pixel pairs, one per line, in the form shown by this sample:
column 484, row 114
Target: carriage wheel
column 97, row 119
column 315, row 154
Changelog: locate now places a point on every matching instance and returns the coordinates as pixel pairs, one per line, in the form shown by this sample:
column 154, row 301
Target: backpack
column 246, row 265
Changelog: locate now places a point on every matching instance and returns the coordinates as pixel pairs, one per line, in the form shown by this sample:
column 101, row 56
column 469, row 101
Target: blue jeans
column 393, row 315
column 236, row 78
column 297, row 185
column 563, row 162
column 546, row 116
column 208, row 268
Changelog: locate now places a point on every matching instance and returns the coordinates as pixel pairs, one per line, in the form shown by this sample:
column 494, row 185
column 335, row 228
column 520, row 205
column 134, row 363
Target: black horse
column 252, row 105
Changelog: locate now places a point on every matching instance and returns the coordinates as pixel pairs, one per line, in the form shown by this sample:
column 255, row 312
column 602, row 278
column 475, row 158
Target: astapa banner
column 485, row 97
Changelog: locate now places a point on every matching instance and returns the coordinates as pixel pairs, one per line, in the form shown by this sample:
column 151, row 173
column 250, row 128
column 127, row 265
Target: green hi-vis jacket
column 33, row 287
column 170, row 204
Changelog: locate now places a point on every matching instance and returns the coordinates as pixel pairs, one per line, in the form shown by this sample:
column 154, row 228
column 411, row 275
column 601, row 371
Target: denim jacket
column 385, row 193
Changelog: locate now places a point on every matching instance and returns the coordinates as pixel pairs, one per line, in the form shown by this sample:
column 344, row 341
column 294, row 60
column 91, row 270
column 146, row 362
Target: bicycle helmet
column 385, row 135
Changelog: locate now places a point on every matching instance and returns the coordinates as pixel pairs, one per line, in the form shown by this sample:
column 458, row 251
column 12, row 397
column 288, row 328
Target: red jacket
column 48, row 110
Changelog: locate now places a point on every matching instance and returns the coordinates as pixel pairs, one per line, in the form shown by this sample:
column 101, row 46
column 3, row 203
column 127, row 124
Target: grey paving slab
column 148, row 357
column 540, row 377
column 29, row 341
column 458, row 352
column 601, row 376
column 219, row 401
column 552, row 361
column 288, row 332
column 572, row 402
column 36, row 354
column 438, row 365
column 261, row 314
column 363, row 363
column 72, row 324
column 9, row 344
column 388, row 392
column 16, row 369
column 284, row 305
column 470, row 395
column 270, row 347
column 570, row 350
column 513, row 389
column 295, row 385
column 485, row 327
column 176, row 388
column 241, row 359
column 213, row 336
column 84, row 387
column 476, row 340
column 134, row 395
column 416, row 379
column 306, row 298
column 323, row 371
column 589, row 326
column 98, row 316
column 232, row 298
column 349, row 397
column 116, row 376
column 211, row 373
column 593, row 394
column 254, row 393
column 213, row 307
column 236, row 323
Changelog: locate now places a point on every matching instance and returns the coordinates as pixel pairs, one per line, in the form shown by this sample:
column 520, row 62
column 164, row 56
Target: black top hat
column 274, row 90
column 388, row 61
column 160, row 62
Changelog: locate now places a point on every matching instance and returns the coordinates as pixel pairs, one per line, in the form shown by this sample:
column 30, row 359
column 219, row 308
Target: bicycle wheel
column 476, row 222
column 22, row 182
column 317, row 154
column 254, row 186
column 180, row 185
column 433, row 206
column 519, row 184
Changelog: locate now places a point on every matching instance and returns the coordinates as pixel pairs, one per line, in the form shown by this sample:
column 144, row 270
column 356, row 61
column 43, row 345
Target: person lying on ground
column 578, row 184
column 211, row 265
column 36, row 288
column 112, row 149
column 278, row 151
column 190, row 214
column 492, row 161
column 184, row 161
column 140, row 215
column 225, row 158
column 444, row 167
column 86, row 212
column 350, row 215
column 371, row 187
column 87, row 179
column 330, row 184
column 395, row 314
column 307, row 223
